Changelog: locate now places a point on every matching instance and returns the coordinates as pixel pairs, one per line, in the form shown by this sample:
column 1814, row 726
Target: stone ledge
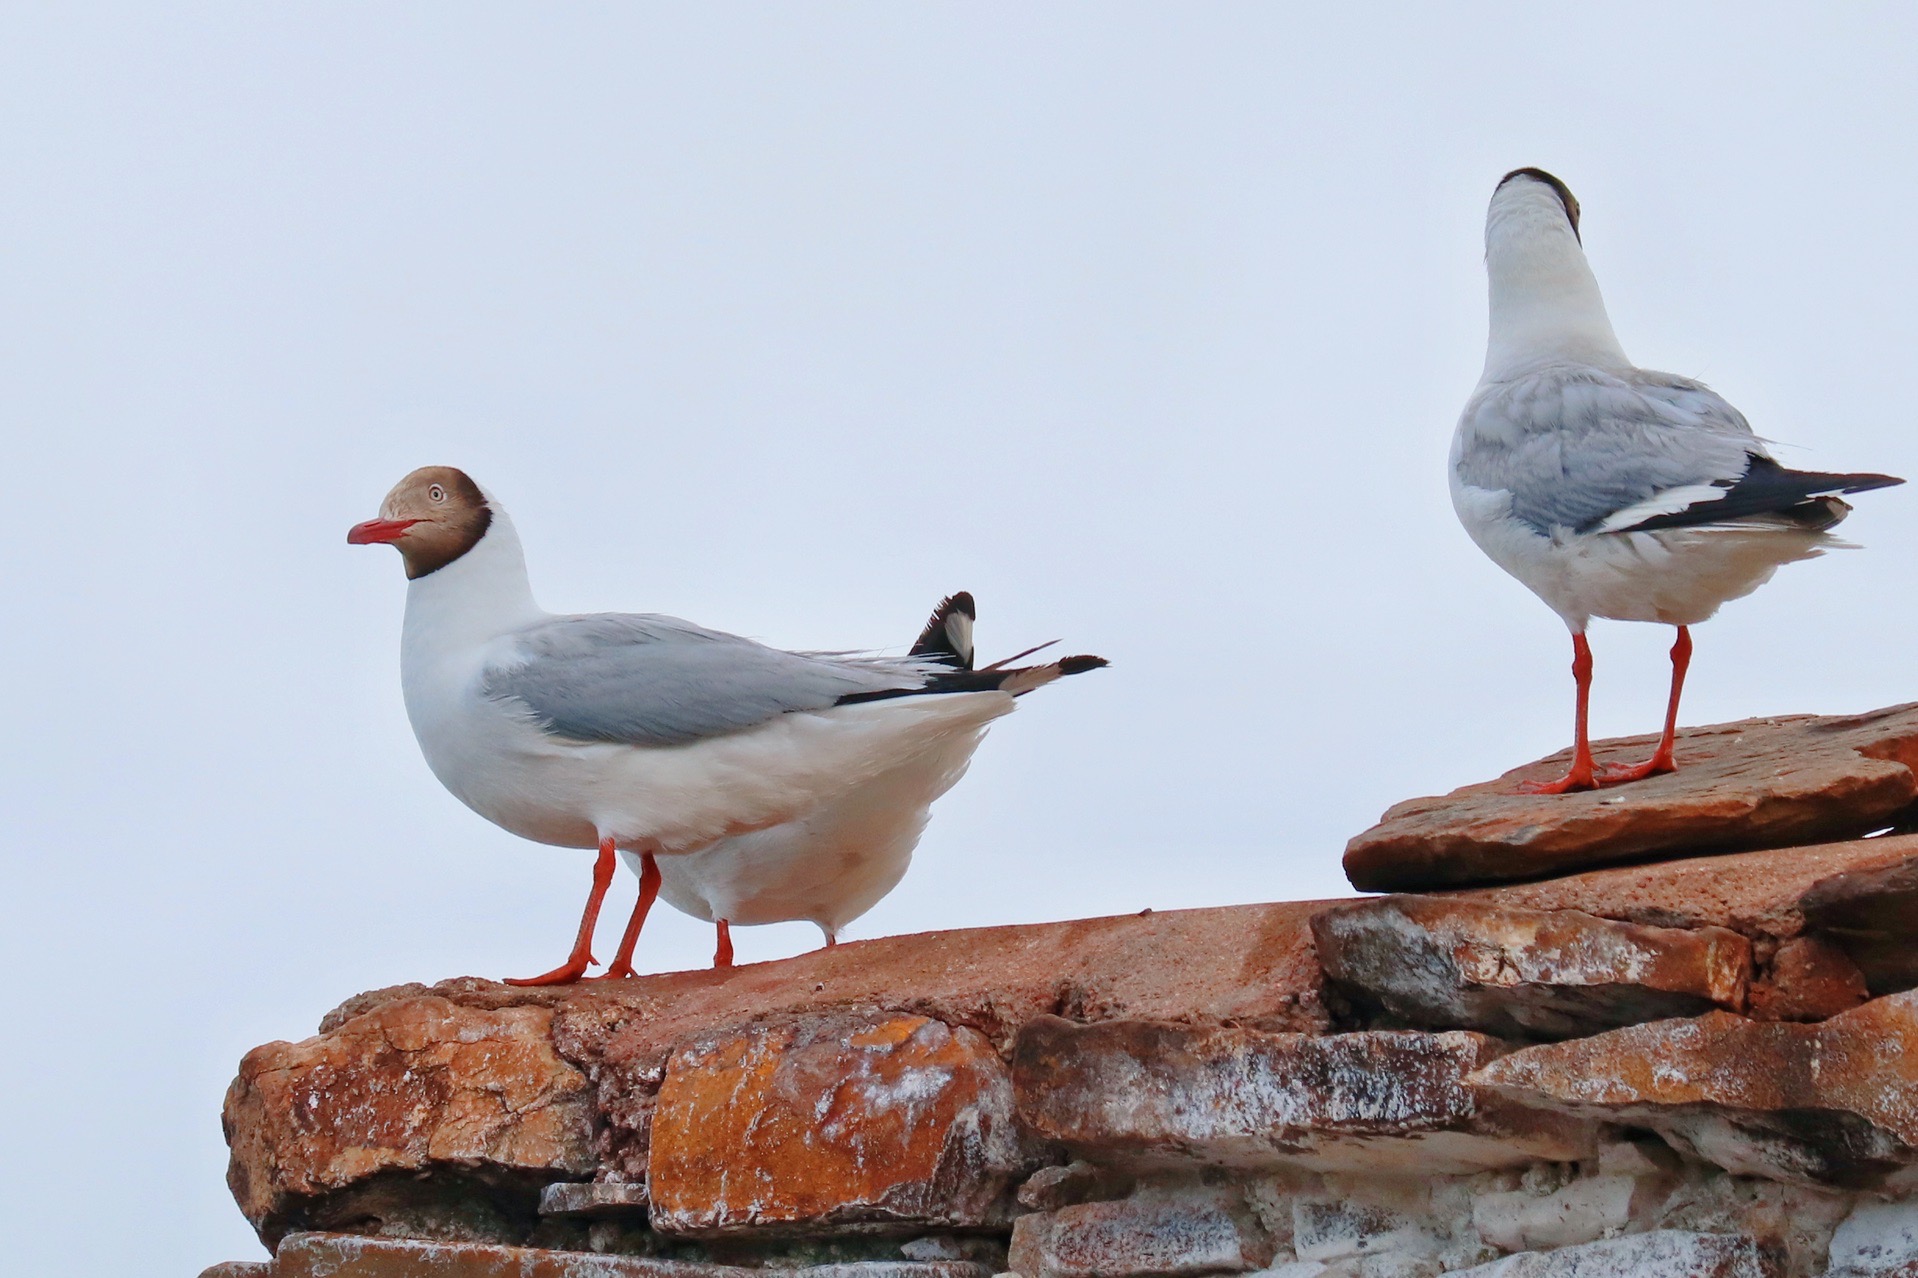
column 1144, row 1093
column 1757, row 783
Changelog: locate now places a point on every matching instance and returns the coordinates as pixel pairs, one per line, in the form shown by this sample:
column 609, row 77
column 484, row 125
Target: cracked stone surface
column 420, row 1085
column 830, row 1122
column 1143, row 1092
column 1757, row 783
column 1444, row 963
column 1829, row 1103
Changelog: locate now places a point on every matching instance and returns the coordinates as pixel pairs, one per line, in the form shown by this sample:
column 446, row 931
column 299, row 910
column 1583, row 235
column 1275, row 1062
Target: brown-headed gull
column 744, row 783
column 1610, row 490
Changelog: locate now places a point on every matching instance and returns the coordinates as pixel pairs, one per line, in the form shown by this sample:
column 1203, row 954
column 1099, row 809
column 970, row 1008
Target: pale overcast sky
column 1147, row 324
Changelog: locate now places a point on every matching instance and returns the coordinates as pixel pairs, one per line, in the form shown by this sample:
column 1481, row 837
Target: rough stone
column 831, row 1122
column 1334, row 1230
column 1757, row 783
column 1452, row 964
column 1050, row 1188
column 317, row 1255
column 238, row 1269
column 1759, row 894
column 1581, row 1212
column 592, row 1199
column 1832, row 1103
column 1876, row 1238
column 1249, row 965
column 1668, row 1253
column 1873, row 913
column 421, row 1085
column 1808, row 978
column 1158, row 1231
column 1144, row 1093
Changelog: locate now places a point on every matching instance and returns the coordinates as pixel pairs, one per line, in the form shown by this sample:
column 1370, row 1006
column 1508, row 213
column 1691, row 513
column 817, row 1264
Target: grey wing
column 648, row 680
column 1575, row 447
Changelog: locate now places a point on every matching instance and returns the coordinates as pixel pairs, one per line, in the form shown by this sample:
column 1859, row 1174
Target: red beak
column 375, row 531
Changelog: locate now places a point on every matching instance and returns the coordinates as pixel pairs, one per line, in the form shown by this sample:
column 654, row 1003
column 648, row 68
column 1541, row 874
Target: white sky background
column 1149, row 325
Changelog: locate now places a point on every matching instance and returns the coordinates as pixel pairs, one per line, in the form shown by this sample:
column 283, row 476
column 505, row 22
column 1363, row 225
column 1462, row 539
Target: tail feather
column 948, row 636
column 947, row 640
column 1769, row 493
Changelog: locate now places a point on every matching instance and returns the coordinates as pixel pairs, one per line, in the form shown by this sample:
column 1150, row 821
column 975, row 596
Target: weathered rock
column 1144, row 1093
column 1668, row 1253
column 1832, row 1103
column 1584, row 1211
column 238, row 1269
column 1334, row 1230
column 1250, row 965
column 1873, row 913
column 315, row 1255
column 1759, row 894
column 592, row 1200
column 1757, row 783
column 1050, row 1188
column 831, row 1122
column 421, row 1085
column 1159, row 1231
column 1877, row 1238
column 1808, row 978
column 1445, row 963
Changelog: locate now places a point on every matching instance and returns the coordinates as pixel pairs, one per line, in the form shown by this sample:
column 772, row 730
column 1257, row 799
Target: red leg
column 1661, row 760
column 575, row 965
column 1581, row 776
column 723, row 956
column 832, row 939
column 648, row 893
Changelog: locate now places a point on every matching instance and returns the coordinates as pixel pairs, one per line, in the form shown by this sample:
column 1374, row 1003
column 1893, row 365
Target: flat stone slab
column 1834, row 1103
column 1172, row 1233
column 1146, row 1093
column 1664, row 1253
column 1757, row 783
column 1443, row 963
column 321, row 1255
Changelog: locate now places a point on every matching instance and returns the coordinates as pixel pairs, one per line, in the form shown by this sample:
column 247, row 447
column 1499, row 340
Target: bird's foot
column 573, row 969
column 1620, row 773
column 1579, row 778
column 617, row 972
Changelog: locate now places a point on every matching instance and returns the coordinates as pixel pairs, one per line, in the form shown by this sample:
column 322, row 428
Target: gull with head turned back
column 744, row 783
column 1607, row 489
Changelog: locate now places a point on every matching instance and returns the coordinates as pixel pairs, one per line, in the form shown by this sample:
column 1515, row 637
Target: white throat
column 1545, row 303
column 478, row 597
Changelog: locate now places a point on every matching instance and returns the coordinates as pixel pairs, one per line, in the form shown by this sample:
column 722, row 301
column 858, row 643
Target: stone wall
column 1704, row 1065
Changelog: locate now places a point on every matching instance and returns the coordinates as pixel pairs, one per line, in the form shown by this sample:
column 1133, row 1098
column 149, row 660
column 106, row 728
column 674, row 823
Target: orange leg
column 575, row 965
column 723, row 956
column 1661, row 760
column 648, row 893
column 1581, row 776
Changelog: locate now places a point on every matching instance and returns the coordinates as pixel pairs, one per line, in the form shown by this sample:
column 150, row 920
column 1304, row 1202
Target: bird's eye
column 436, row 493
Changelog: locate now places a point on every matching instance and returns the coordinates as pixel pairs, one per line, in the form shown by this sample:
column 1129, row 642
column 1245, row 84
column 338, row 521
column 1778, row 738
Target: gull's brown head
column 432, row 517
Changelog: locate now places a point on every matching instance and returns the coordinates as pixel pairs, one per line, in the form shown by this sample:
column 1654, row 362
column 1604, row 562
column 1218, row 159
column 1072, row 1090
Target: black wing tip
column 1081, row 664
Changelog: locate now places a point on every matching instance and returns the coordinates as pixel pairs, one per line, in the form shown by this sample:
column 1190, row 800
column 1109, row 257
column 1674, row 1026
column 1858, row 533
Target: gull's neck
column 1545, row 303
column 478, row 597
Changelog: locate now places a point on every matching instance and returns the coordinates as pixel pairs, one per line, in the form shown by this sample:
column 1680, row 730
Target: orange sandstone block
column 828, row 1122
